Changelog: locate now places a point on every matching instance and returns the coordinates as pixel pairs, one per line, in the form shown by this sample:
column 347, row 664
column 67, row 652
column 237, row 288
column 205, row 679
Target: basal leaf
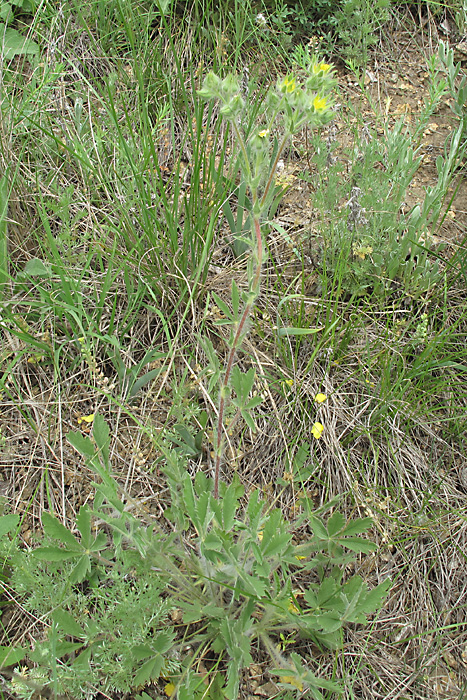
column 82, row 661
column 12, row 43
column 335, row 523
column 36, row 268
column 67, row 623
column 8, row 523
column 318, row 528
column 373, row 599
column 81, row 570
column 356, row 527
column 54, row 554
column 55, row 529
column 99, row 543
column 64, row 648
column 149, row 671
column 82, row 444
column 142, row 651
column 83, row 524
column 10, row 656
column 100, row 433
column 358, row 544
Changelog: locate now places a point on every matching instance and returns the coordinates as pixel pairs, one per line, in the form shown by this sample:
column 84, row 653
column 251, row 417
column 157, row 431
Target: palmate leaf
column 82, row 444
column 55, row 529
column 8, row 523
column 67, row 623
column 83, row 524
column 12, row 43
column 368, row 601
column 335, row 523
column 299, row 676
column 81, row 570
column 358, row 544
column 229, row 507
column 55, row 553
column 356, row 527
column 10, row 656
column 101, row 434
column 318, row 528
column 150, row 669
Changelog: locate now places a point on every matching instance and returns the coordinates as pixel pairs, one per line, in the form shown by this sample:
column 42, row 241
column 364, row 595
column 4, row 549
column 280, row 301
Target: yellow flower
column 320, row 67
column 169, row 689
column 319, row 103
column 86, row 419
column 296, row 682
column 262, row 134
column 319, row 398
column 289, row 84
column 317, row 430
column 293, row 608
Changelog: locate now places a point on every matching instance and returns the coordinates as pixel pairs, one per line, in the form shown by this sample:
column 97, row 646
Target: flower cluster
column 308, row 103
column 228, row 91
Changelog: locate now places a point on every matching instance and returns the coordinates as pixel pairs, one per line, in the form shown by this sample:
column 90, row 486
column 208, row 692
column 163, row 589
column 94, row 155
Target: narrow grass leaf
column 4, row 196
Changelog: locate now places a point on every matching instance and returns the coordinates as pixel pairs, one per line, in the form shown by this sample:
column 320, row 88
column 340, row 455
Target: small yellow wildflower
column 325, row 67
column 296, row 682
column 169, row 690
column 320, row 398
column 289, row 382
column 262, row 134
column 86, row 419
column 317, row 430
column 289, row 84
column 319, row 103
column 293, row 608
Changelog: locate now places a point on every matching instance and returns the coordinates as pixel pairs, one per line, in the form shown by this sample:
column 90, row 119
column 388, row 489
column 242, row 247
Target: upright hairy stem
column 296, row 105
column 236, row 343
column 242, row 324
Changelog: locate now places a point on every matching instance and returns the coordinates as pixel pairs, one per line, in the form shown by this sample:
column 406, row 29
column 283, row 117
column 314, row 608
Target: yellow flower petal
column 288, row 84
column 86, row 419
column 319, row 398
column 292, row 607
column 317, row 430
column 319, row 103
column 169, row 689
column 262, row 134
column 292, row 681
